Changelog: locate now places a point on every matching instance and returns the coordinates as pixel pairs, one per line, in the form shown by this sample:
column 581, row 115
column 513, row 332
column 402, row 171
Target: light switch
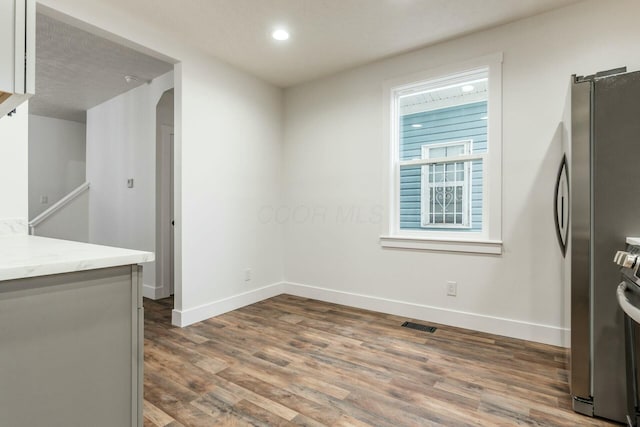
column 130, row 183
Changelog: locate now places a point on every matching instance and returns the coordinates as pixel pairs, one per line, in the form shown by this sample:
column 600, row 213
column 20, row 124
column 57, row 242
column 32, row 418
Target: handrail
column 57, row 206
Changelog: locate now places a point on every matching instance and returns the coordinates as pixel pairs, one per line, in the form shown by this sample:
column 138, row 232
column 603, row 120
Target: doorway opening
column 100, row 108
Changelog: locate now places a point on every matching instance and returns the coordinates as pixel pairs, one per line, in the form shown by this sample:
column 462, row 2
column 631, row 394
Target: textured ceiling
column 327, row 36
column 76, row 70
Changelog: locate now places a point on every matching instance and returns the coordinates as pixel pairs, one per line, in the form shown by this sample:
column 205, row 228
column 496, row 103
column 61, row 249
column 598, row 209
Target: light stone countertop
column 24, row 256
column 633, row 241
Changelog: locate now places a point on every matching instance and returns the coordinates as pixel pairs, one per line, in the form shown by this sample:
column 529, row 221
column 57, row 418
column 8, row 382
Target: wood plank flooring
column 290, row 361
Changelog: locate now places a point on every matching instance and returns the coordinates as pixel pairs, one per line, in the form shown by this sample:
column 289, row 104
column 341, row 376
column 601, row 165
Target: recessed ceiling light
column 467, row 88
column 131, row 79
column 416, row 125
column 280, row 34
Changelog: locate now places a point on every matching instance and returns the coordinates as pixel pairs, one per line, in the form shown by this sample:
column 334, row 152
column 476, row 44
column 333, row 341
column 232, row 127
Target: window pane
column 456, row 150
column 439, row 123
column 477, row 191
column 441, row 200
column 433, row 115
column 437, row 152
column 410, row 196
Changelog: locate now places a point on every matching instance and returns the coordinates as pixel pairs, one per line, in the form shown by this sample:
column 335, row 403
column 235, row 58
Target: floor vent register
column 419, row 327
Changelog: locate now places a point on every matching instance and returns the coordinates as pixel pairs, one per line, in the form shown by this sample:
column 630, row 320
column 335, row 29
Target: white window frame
column 425, row 202
column 489, row 239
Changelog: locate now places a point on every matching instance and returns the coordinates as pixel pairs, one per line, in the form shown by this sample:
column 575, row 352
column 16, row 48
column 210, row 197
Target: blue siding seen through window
column 462, row 122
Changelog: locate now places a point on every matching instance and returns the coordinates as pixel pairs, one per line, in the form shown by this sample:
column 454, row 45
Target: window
column 445, row 186
column 445, row 159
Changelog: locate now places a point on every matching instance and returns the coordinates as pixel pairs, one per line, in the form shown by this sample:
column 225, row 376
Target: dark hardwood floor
column 292, row 361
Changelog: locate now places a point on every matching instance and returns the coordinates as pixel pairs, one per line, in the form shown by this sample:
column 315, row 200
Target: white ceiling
column 76, row 70
column 326, row 35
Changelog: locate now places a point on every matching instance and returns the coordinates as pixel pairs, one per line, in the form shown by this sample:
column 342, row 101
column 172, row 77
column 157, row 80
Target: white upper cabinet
column 17, row 52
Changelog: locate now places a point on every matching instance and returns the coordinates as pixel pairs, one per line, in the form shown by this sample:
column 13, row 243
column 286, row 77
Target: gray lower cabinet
column 71, row 348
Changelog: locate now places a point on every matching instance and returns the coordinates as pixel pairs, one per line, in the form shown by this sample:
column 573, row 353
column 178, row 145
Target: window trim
column 425, row 202
column 491, row 235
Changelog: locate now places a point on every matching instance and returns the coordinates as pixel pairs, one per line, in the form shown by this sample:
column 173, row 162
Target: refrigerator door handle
column 561, row 205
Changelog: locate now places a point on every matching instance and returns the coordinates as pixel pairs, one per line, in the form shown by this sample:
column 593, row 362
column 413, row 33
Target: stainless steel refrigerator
column 597, row 206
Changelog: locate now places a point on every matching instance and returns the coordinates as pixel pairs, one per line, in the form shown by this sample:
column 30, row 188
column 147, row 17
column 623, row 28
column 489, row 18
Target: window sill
column 492, row 247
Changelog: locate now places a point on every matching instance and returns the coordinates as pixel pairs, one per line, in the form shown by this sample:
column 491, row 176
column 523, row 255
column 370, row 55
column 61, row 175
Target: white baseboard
column 478, row 322
column 149, row 291
column 152, row 292
column 206, row 311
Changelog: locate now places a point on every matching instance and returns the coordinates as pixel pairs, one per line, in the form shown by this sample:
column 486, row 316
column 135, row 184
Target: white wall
column 121, row 144
column 231, row 160
column 70, row 223
column 57, row 160
column 14, row 172
column 334, row 160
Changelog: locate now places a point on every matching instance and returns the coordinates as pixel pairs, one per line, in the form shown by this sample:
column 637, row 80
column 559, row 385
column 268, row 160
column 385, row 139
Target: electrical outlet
column 452, row 289
column 44, row 200
column 247, row 275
